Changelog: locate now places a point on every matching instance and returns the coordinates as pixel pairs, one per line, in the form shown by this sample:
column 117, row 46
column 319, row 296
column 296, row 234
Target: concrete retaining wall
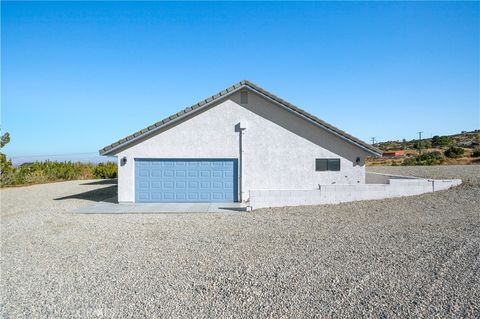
column 378, row 178
column 332, row 194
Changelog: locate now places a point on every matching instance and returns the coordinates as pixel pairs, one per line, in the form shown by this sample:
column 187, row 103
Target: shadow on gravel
column 107, row 194
column 235, row 209
column 103, row 182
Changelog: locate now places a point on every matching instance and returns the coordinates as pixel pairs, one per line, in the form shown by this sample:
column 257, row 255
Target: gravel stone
column 402, row 257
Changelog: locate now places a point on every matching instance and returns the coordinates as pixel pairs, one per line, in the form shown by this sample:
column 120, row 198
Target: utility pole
column 373, row 141
column 420, row 142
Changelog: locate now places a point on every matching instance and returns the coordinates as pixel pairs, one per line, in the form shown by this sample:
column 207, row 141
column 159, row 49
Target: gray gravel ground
column 404, row 257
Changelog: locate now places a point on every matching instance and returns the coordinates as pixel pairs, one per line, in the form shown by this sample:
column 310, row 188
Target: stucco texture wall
column 277, row 149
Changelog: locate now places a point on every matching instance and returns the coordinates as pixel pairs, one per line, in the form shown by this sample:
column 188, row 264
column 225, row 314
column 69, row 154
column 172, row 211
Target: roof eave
column 236, row 87
column 123, row 143
column 371, row 150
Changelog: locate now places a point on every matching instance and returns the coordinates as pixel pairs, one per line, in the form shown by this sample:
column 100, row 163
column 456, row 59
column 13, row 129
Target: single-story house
column 238, row 140
column 468, row 143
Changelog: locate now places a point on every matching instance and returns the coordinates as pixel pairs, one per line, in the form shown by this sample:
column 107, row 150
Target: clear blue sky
column 79, row 76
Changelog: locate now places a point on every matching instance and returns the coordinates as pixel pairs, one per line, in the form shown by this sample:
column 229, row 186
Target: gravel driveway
column 402, row 257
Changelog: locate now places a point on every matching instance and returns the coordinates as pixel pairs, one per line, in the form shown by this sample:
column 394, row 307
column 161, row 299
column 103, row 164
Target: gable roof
column 108, row 150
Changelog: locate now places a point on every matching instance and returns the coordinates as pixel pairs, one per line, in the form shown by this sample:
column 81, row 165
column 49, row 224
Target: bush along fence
column 50, row 171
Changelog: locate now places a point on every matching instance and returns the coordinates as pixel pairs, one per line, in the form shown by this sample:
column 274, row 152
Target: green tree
column 441, row 141
column 4, row 139
column 6, row 167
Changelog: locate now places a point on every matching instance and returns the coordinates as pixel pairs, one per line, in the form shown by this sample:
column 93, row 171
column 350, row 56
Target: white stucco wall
column 278, row 148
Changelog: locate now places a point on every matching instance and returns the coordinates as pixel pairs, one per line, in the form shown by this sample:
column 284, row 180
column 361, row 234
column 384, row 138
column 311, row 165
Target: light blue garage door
column 186, row 180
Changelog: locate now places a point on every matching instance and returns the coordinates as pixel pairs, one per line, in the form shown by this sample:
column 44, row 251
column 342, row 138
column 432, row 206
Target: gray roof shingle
column 242, row 84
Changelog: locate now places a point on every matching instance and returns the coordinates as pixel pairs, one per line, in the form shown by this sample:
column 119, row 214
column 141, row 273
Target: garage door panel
column 205, row 196
column 192, row 173
column 180, row 185
column 185, row 180
column 167, row 185
column 143, row 196
column 143, row 185
column 168, row 173
column 217, row 174
column 168, row 196
column 156, row 173
column 193, row 185
column 217, row 196
column 193, row 196
column 156, row 196
column 180, row 196
column 180, row 173
column 205, row 174
column 143, row 173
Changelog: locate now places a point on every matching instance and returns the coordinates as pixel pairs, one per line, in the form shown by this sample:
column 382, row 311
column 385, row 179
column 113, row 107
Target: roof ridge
column 229, row 91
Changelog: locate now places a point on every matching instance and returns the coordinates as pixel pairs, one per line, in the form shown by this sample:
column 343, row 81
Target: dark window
column 334, row 164
column 327, row 164
column 321, row 164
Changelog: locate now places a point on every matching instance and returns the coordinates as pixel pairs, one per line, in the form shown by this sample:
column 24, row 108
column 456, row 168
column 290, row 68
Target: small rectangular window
column 327, row 164
column 334, row 164
column 321, row 164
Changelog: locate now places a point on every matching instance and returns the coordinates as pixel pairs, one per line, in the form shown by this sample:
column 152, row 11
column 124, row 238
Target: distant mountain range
column 95, row 159
column 463, row 139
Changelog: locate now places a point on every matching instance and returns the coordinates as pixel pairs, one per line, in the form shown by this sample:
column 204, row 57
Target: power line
column 420, row 142
column 373, row 140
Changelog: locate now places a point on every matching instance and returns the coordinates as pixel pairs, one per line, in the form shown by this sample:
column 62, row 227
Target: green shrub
column 6, row 167
column 454, row 152
column 105, row 170
column 423, row 144
column 476, row 152
column 48, row 171
column 431, row 158
column 409, row 162
column 441, row 141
